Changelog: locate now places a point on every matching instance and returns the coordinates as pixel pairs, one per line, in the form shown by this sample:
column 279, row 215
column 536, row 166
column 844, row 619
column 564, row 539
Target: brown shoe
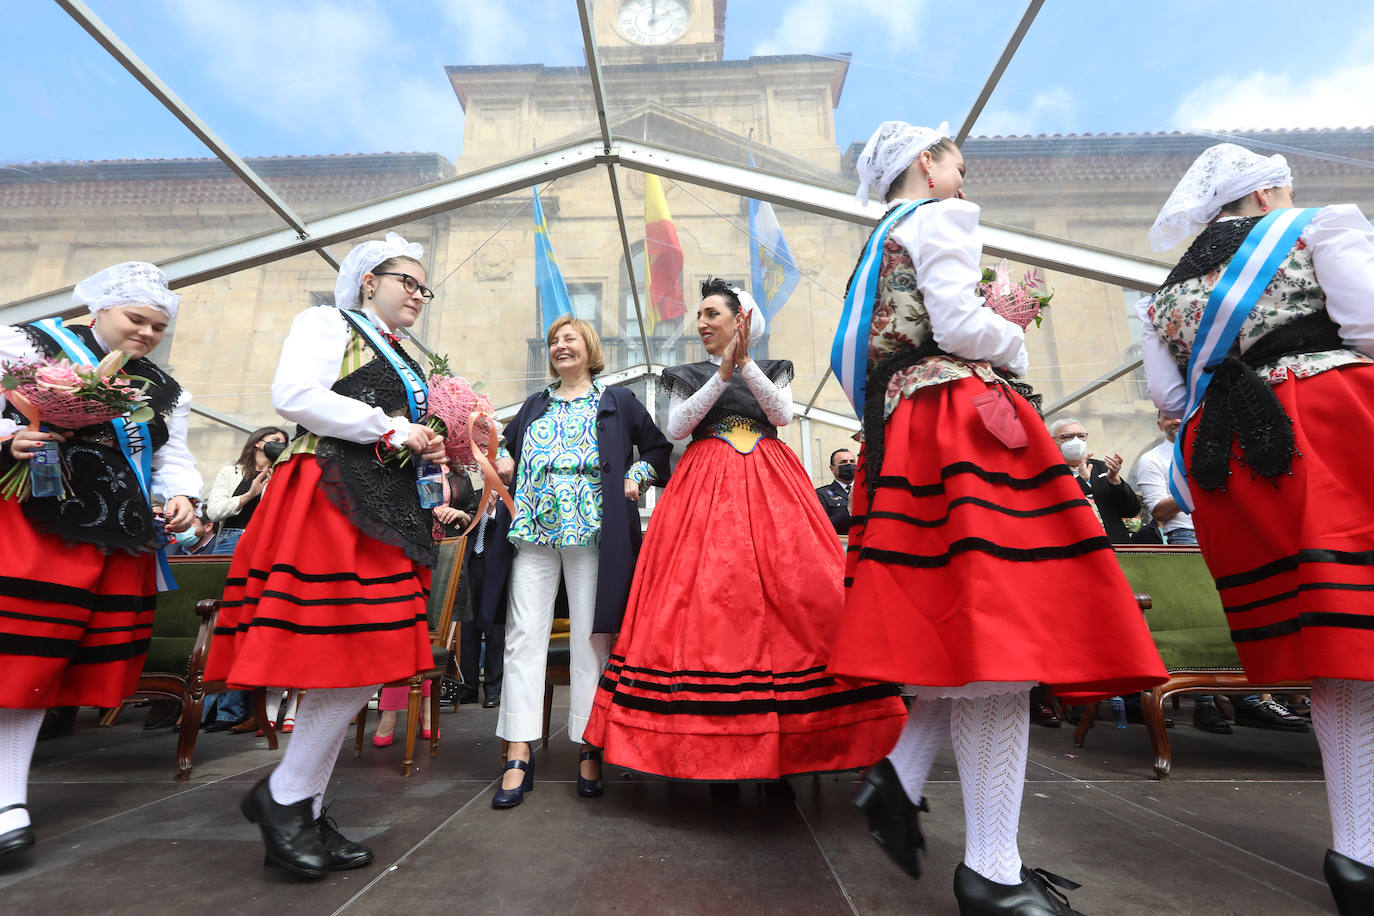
column 249, row 724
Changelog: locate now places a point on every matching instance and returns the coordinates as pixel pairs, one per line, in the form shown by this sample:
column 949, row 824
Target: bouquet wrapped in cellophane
column 68, row 395
column 1020, row 303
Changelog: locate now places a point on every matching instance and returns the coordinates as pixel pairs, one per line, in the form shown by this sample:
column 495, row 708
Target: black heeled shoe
column 509, row 798
column 289, row 832
column 1034, row 896
column 590, row 788
column 343, row 852
column 893, row 819
column 1351, row 883
column 18, row 839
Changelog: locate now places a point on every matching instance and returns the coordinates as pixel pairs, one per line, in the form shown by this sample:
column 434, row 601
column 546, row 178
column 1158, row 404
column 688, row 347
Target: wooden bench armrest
column 207, row 607
column 1145, row 601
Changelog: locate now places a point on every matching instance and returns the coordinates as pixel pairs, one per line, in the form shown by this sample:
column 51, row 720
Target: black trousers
column 470, row 647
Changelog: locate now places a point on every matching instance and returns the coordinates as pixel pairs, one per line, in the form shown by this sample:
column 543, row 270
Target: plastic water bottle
column 1119, row 712
column 429, row 481
column 45, row 470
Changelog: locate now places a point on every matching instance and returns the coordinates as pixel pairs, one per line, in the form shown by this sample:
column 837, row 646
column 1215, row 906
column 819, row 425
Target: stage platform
column 1240, row 829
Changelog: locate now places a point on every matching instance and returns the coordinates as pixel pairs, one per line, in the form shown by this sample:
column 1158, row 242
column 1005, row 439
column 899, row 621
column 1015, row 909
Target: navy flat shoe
column 589, row 788
column 509, row 798
column 18, row 839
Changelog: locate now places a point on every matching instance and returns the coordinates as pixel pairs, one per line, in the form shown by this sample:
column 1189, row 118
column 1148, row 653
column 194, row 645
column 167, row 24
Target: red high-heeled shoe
column 424, row 733
column 382, row 740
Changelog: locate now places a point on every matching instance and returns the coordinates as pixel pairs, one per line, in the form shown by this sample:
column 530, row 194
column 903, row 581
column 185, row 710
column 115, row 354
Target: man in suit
column 1112, row 498
column 834, row 496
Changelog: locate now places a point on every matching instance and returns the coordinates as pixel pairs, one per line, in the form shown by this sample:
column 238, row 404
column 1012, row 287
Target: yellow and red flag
column 662, row 254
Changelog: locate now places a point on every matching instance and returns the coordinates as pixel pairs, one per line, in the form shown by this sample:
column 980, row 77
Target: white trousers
column 534, row 579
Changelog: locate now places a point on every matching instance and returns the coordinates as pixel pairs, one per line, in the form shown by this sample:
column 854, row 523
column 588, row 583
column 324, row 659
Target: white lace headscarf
column 891, row 149
column 130, row 283
column 747, row 305
column 363, row 259
column 1222, row 174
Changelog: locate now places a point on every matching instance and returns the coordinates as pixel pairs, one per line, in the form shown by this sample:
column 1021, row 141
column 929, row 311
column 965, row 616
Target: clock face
column 653, row 22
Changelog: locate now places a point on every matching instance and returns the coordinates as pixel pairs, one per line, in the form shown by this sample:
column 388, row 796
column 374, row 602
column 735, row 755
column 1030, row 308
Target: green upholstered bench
column 1189, row 628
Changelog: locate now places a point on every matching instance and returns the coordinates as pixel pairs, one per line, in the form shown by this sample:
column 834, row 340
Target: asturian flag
column 773, row 275
column 548, row 279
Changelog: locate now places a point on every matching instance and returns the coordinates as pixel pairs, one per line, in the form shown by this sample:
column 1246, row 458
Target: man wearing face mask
column 1111, row 497
column 834, row 496
column 194, row 541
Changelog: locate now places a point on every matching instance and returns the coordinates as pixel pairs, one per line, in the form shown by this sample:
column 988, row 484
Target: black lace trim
column 1214, row 247
column 1241, row 406
column 735, row 401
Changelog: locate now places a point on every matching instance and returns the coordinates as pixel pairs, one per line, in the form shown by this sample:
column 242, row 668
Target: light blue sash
column 1232, row 300
column 417, row 392
column 849, row 353
column 132, row 437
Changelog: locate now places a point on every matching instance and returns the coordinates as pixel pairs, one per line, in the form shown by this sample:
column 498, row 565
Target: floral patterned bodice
column 901, row 322
column 1294, row 292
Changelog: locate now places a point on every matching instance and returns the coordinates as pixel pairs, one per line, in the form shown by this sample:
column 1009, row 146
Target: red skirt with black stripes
column 312, row 601
column 719, row 670
column 978, row 564
column 75, row 622
column 1293, row 557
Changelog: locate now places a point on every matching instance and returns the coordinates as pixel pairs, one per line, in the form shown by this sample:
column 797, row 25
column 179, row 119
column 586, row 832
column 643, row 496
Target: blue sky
column 304, row 77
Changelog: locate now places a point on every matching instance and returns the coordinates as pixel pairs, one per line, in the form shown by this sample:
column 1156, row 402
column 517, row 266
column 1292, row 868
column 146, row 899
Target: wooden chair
column 182, row 628
column 1189, row 628
column 443, row 593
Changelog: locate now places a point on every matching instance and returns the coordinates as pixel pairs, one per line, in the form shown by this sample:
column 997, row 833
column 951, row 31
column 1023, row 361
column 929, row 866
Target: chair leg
column 192, row 706
column 412, row 725
column 1085, row 723
column 436, row 702
column 548, row 712
column 269, row 729
column 358, row 736
column 110, row 715
column 1153, row 713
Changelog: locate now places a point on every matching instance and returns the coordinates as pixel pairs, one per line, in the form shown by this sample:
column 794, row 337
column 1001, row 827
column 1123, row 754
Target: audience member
column 1152, row 476
column 1100, row 480
column 835, row 495
column 488, row 595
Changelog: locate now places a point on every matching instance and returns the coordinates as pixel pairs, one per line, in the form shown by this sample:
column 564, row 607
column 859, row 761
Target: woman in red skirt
column 975, row 567
column 329, row 582
column 78, row 576
column 718, row 673
column 1277, row 456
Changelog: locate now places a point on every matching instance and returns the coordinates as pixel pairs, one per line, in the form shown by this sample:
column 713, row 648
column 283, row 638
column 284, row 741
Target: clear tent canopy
column 245, row 145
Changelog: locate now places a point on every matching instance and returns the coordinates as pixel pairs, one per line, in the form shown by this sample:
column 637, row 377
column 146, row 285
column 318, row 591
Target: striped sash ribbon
column 1231, row 302
column 132, row 437
column 417, row 392
column 849, row 353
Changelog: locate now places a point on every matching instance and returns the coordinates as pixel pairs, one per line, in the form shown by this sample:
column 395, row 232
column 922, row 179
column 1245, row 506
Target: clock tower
column 659, row 31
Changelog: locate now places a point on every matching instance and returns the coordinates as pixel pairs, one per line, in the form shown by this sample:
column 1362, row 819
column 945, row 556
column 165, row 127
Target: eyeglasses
column 1065, row 437
column 410, row 283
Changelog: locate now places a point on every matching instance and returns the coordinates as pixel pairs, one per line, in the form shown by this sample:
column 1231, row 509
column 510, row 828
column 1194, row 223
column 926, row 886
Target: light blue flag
column 548, row 279
column 773, row 274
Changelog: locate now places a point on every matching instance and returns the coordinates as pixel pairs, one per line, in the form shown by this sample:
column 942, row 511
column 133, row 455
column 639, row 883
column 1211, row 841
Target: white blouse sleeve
column 220, row 502
column 776, row 402
column 685, row 413
column 15, row 347
column 1342, row 242
column 1168, row 388
column 309, row 365
column 174, row 468
column 942, row 239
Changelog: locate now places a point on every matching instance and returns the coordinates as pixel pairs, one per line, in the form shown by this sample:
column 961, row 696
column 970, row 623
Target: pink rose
column 60, row 376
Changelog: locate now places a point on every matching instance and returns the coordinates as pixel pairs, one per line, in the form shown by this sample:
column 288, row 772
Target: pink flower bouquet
column 453, row 402
column 1020, row 303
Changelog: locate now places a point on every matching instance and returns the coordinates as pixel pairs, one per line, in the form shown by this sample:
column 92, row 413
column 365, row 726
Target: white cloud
column 808, row 26
column 1051, row 111
column 1338, row 97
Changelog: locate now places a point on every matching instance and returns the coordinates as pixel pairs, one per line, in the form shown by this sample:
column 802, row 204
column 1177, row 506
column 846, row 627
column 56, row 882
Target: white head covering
column 893, row 147
column 1222, row 174
column 130, row 283
column 363, row 259
column 747, row 305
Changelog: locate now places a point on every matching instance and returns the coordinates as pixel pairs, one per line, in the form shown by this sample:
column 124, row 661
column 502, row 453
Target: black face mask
column 273, row 449
column 845, row 472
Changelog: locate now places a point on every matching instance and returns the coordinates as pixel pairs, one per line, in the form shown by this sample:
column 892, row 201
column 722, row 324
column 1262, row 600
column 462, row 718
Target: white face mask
column 1073, row 450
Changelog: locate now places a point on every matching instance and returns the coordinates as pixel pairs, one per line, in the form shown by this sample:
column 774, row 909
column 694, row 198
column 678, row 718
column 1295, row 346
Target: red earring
column 1264, row 208
column 930, row 181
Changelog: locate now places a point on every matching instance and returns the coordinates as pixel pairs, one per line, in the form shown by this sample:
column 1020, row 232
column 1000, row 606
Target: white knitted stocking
column 927, row 724
column 990, row 743
column 18, row 737
column 321, row 723
column 1343, row 718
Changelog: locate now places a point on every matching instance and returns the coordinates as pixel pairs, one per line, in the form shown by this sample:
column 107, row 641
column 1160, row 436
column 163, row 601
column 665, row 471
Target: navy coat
column 622, row 424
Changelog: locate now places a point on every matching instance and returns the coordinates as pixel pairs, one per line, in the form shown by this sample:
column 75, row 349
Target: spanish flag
column 663, row 255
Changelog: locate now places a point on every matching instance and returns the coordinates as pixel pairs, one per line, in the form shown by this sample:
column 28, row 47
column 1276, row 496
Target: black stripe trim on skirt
column 996, row 478
column 969, row 545
column 40, row 618
column 128, row 629
column 50, row 647
column 753, row 707
column 655, row 687
column 318, row 602
column 1293, row 593
column 295, row 573
column 982, row 503
column 687, row 672
column 70, row 595
column 1290, row 563
column 293, row 627
column 1294, row 624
